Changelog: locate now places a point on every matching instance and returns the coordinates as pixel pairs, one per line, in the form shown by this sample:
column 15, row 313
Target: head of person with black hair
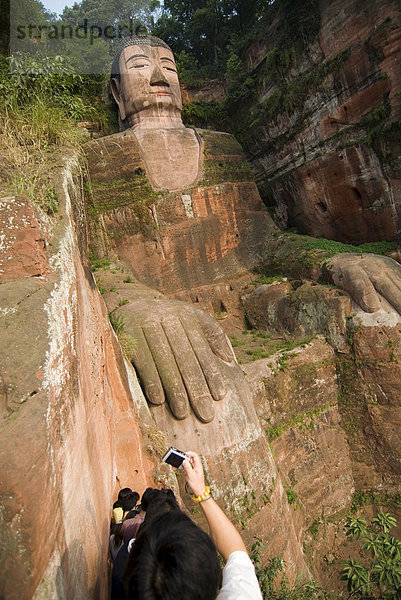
column 172, row 558
column 129, row 502
column 162, row 500
column 122, row 494
column 118, row 506
column 147, row 498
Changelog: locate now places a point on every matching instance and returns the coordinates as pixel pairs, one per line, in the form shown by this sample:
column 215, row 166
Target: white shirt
column 239, row 579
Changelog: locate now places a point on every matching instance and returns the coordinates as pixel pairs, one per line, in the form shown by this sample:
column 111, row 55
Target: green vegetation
column 363, row 498
column 317, row 247
column 281, row 590
column 235, row 342
column 263, row 352
column 305, row 419
column 214, row 172
column 314, row 528
column 297, row 255
column 292, row 495
column 379, row 576
column 127, row 342
column 135, row 192
column 41, row 101
column 117, row 322
column 206, row 115
column 99, row 263
column 290, row 97
column 264, row 279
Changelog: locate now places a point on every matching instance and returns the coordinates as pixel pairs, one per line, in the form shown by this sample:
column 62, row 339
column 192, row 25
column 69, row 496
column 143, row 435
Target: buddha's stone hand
column 366, row 278
column 178, row 353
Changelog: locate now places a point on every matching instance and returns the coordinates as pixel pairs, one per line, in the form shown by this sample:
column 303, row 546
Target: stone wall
column 69, row 432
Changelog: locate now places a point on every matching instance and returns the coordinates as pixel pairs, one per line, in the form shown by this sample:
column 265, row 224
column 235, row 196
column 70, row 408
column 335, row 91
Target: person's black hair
column 172, row 558
column 147, row 497
column 122, row 494
column 130, row 501
column 161, row 500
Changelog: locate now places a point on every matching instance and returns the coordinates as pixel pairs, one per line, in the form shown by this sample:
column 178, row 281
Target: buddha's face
column 148, row 83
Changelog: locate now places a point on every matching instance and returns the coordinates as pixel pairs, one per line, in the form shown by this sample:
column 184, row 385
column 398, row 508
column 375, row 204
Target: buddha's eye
column 170, row 69
column 138, row 66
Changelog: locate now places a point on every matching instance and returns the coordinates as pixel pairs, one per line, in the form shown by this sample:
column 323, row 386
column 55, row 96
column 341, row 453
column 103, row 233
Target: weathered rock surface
column 376, row 348
column 328, row 415
column 69, row 433
column 22, row 248
column 328, row 157
column 299, row 308
column 296, row 398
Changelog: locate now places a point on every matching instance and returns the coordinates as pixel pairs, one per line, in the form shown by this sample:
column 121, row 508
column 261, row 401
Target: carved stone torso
column 209, row 224
column 172, row 157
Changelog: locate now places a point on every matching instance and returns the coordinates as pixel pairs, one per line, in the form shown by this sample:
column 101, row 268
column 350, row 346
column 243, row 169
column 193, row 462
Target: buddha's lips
column 162, row 93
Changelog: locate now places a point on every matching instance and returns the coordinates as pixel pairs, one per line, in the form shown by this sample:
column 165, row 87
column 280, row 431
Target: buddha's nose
column 157, row 77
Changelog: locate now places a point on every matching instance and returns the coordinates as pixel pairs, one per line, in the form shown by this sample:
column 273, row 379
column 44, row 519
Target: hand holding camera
column 191, row 464
column 195, row 478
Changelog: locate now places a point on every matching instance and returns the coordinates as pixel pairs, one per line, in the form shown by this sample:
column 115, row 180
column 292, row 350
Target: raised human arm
column 225, row 536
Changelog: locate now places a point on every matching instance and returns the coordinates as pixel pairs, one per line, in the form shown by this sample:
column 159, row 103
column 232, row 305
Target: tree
column 379, row 577
column 112, row 13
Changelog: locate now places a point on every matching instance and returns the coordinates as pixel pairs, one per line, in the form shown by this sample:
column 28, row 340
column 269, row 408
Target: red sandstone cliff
column 69, row 432
column 323, row 133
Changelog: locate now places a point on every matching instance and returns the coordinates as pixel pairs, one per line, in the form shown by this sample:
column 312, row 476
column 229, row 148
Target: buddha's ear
column 116, row 91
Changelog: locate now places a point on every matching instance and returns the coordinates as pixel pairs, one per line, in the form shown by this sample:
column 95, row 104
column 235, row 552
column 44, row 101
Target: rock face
column 22, row 252
column 299, row 408
column 69, row 433
column 299, row 308
column 324, row 135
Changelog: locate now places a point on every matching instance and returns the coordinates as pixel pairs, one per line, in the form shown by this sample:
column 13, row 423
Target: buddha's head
column 144, row 82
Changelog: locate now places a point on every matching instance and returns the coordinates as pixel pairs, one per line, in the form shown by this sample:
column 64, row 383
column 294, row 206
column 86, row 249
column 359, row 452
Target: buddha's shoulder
column 113, row 143
column 117, row 154
column 223, row 159
column 219, row 143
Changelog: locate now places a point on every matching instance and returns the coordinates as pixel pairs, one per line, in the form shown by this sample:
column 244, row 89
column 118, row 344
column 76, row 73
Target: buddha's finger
column 190, row 369
column 168, row 371
column 389, row 286
column 361, row 289
column 207, row 359
column 216, row 337
column 142, row 359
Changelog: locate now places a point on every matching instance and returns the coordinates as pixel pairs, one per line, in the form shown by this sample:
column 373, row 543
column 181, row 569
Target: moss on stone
column 217, row 171
column 305, row 419
column 297, row 255
column 217, row 143
column 135, row 192
column 224, row 159
column 289, row 98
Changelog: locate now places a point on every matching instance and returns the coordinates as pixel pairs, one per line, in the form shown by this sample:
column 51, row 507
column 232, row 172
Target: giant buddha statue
column 178, row 207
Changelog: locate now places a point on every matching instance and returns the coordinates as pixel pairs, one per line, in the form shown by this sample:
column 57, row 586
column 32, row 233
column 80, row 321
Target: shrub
column 380, row 575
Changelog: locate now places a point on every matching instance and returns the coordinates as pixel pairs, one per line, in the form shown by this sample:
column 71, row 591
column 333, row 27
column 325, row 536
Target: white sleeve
column 239, row 579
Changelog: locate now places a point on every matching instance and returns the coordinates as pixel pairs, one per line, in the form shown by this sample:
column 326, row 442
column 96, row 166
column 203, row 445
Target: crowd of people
column 159, row 553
